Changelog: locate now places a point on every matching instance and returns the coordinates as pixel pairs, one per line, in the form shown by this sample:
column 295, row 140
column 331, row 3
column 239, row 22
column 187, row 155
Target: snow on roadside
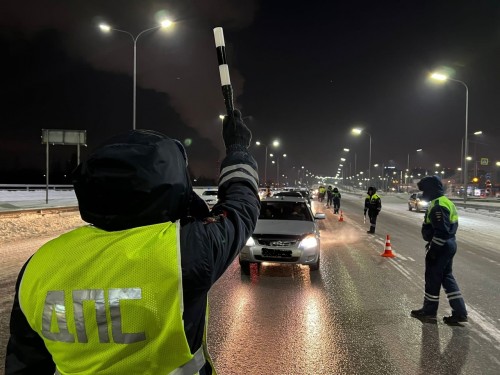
column 20, row 226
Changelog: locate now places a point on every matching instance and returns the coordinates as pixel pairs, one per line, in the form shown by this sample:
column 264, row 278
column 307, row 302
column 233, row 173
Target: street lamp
column 358, row 131
column 443, row 77
column 408, row 169
column 106, row 28
column 277, row 168
column 274, row 143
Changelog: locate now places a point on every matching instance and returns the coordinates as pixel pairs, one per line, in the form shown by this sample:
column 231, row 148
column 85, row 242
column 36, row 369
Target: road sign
column 484, row 161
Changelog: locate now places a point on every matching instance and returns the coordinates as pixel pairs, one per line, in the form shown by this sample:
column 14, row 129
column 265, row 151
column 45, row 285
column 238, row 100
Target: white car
column 209, row 196
column 417, row 202
column 286, row 232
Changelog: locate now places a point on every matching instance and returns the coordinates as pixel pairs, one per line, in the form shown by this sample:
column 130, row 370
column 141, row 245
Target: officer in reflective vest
column 373, row 205
column 439, row 229
column 336, row 200
column 127, row 294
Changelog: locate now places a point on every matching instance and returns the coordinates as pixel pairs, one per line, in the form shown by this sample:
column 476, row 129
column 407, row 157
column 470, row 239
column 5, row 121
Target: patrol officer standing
column 128, row 293
column 336, row 200
column 373, row 205
column 329, row 196
column 439, row 229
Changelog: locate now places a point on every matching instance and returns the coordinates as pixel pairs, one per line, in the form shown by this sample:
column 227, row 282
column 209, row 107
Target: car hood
column 289, row 227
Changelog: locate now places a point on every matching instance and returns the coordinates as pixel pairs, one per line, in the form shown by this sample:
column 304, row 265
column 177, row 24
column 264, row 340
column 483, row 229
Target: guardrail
column 29, row 187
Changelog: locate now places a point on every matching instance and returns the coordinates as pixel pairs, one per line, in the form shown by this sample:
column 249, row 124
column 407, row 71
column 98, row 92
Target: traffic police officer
column 336, row 200
column 439, row 229
column 373, row 205
column 329, row 196
column 128, row 293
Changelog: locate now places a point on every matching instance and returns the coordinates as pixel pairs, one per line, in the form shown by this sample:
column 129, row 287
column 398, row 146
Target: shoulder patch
column 213, row 219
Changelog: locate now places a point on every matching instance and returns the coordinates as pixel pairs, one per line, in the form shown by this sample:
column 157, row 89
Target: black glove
column 235, row 133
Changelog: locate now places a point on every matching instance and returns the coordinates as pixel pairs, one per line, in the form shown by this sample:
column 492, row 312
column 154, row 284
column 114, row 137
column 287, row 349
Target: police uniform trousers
column 439, row 271
column 372, row 215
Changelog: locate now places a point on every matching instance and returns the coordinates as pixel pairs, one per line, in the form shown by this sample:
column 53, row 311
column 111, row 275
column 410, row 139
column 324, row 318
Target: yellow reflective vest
column 110, row 302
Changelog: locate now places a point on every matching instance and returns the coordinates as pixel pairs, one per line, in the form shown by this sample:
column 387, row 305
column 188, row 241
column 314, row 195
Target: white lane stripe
column 400, row 270
column 400, row 267
column 486, row 325
column 410, row 258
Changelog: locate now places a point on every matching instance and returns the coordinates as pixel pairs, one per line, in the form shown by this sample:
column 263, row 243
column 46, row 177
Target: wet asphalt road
column 352, row 316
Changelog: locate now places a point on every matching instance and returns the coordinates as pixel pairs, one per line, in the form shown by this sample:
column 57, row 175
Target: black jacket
column 208, row 246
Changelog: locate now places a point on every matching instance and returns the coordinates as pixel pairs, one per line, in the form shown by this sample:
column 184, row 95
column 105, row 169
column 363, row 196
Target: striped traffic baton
column 227, row 90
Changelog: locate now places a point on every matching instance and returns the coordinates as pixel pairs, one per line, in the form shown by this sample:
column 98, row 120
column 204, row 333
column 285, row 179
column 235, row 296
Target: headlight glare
column 309, row 242
column 250, row 242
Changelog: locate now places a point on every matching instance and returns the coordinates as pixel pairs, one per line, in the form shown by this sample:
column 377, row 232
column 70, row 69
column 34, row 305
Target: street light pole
column 106, row 28
column 442, row 77
column 275, row 143
column 370, row 161
column 358, row 131
column 408, row 174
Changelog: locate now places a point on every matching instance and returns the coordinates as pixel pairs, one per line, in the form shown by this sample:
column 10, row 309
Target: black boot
column 423, row 315
column 455, row 320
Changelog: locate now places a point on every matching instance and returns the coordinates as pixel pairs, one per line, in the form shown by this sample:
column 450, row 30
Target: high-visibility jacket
column 440, row 221
column 99, row 319
column 373, row 203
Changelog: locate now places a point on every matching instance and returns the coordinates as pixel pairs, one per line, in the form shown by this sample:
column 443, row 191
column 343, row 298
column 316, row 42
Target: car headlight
column 250, row 242
column 424, row 203
column 309, row 242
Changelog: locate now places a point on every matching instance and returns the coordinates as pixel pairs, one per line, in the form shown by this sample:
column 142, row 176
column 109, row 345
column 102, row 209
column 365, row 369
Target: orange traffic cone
column 388, row 251
column 341, row 218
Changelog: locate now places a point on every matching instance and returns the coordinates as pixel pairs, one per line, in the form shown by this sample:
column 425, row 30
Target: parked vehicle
column 286, row 232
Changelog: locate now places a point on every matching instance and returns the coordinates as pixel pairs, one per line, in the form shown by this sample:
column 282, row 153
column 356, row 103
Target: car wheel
column 245, row 267
column 409, row 207
column 314, row 266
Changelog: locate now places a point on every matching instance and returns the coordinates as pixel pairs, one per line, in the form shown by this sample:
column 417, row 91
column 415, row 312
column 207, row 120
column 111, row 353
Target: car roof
column 288, row 193
column 285, row 199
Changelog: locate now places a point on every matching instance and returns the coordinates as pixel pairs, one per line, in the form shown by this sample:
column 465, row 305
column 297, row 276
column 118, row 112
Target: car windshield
column 282, row 210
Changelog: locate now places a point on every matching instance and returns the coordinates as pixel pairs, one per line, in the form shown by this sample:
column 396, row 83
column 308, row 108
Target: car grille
column 277, row 241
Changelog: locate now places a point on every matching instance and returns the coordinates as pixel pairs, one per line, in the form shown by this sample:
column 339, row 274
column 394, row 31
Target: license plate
column 277, row 253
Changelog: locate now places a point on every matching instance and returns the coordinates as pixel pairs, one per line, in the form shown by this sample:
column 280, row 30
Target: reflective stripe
column 438, row 241
column 454, row 295
column 430, row 297
column 246, row 167
column 54, row 305
column 239, row 175
column 193, row 366
column 115, row 296
column 96, row 295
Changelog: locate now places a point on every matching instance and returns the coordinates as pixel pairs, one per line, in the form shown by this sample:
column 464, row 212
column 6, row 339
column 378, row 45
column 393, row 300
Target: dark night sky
column 304, row 72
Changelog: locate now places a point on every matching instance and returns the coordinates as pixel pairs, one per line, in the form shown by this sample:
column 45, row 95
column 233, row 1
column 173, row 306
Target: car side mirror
column 319, row 215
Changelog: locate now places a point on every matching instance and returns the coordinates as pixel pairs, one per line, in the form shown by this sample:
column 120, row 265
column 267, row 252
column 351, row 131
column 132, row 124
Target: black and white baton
column 227, row 90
